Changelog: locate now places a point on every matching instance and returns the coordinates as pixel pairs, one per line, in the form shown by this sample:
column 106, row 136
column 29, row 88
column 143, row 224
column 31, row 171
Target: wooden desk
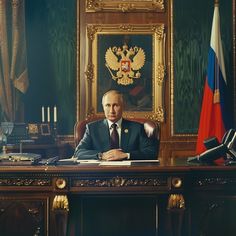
column 166, row 200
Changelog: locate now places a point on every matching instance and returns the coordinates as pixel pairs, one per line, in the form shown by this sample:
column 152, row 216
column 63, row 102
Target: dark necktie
column 114, row 140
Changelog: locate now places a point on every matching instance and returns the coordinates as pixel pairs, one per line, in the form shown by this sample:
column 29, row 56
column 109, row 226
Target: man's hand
column 114, row 155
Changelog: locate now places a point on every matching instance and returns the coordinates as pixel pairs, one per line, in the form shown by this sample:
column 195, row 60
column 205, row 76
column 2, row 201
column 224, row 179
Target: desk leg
column 175, row 208
column 60, row 208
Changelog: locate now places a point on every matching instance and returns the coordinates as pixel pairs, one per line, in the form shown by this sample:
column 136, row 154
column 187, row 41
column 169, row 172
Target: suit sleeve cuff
column 99, row 155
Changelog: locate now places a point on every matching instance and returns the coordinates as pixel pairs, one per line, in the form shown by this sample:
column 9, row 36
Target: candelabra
column 55, row 131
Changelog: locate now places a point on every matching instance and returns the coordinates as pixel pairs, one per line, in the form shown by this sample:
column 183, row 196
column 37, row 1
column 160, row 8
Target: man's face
column 113, row 107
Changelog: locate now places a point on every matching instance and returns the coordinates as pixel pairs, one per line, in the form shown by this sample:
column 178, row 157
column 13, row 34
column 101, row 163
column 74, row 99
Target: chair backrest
column 152, row 128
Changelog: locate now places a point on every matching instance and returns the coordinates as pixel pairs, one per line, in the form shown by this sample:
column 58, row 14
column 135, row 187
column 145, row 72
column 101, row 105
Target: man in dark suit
column 127, row 140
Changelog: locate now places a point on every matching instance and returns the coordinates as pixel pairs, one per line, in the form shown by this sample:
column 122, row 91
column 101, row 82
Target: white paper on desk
column 87, row 161
column 115, row 163
column 145, row 161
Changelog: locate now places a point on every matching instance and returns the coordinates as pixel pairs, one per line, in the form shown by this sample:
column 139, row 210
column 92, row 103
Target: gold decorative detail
column 160, row 73
column 90, row 72
column 157, row 116
column 215, row 181
column 176, row 182
column 91, row 30
column 121, row 76
column 93, row 4
column 158, row 4
column 125, row 6
column 118, row 181
column 90, row 113
column 33, row 129
column 60, row 183
column 121, row 182
column 60, row 202
column 119, row 59
column 176, row 201
column 126, row 28
column 159, row 29
column 24, row 182
column 216, row 98
column 33, row 211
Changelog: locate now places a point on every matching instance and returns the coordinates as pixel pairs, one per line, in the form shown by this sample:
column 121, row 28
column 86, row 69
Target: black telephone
column 15, row 133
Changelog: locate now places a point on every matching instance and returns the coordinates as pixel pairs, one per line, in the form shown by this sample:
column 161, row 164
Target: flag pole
column 215, row 118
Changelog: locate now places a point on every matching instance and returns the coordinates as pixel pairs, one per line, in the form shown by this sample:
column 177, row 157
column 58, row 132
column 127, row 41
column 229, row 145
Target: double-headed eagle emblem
column 124, row 63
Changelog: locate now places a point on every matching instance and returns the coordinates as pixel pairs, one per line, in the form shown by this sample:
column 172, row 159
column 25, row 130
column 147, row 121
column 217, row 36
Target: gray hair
column 116, row 92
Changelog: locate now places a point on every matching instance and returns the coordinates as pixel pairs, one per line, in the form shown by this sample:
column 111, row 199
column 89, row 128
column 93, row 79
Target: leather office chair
column 152, row 128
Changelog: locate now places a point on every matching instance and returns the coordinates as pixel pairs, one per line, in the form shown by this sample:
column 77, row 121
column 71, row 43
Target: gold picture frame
column 124, row 6
column 142, row 83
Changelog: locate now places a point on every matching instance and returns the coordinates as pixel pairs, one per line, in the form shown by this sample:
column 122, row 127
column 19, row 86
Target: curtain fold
column 13, row 63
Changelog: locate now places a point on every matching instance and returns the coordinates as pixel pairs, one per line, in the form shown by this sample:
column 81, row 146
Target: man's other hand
column 114, row 155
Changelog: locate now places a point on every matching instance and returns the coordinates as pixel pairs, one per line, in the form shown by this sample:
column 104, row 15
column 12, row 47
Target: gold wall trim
column 124, row 6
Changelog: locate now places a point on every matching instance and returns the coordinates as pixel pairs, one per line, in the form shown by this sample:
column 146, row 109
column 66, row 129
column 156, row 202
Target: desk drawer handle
column 60, row 183
column 176, row 182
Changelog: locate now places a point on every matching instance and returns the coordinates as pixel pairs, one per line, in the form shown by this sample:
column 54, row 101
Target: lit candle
column 48, row 114
column 55, row 114
column 43, row 114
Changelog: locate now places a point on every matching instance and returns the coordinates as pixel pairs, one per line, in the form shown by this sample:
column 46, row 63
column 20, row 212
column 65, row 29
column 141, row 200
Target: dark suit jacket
column 133, row 140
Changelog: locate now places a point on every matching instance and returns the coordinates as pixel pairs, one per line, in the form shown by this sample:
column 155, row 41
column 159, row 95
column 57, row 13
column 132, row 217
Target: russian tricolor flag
column 215, row 118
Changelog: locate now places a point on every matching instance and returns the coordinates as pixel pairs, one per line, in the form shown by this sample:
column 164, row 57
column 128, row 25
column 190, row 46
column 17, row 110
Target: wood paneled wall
column 187, row 27
column 183, row 82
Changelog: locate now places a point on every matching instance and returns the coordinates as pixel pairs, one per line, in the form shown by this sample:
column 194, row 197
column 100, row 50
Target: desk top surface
column 177, row 165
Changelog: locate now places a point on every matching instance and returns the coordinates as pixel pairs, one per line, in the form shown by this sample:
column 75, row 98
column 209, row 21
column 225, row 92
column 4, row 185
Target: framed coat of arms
column 130, row 59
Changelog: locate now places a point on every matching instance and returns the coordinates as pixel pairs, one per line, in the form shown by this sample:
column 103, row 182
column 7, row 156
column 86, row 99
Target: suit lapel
column 125, row 134
column 104, row 134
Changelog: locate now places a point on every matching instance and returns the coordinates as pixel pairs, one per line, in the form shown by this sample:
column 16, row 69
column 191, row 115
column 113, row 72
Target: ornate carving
column 176, row 201
column 92, row 5
column 120, row 182
column 160, row 73
column 125, row 6
column 214, row 181
column 126, row 28
column 90, row 72
column 91, row 30
column 24, row 182
column 157, row 116
column 31, row 211
column 158, row 4
column 60, row 183
column 60, row 202
column 159, row 30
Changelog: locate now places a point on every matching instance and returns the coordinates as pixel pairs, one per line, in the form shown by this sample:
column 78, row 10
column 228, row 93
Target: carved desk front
column 92, row 200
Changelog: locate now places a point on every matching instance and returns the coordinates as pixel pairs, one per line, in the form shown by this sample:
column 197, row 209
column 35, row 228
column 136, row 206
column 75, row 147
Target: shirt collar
column 118, row 123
